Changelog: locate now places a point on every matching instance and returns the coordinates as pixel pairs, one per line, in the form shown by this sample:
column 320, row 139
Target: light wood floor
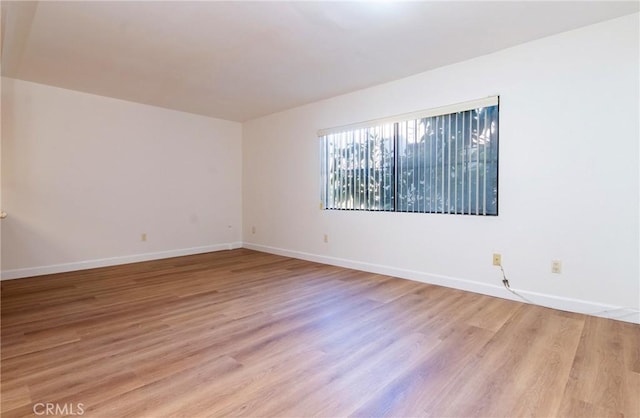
column 252, row 334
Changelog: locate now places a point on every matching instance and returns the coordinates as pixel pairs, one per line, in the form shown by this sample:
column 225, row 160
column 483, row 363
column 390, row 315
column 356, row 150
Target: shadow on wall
column 21, row 234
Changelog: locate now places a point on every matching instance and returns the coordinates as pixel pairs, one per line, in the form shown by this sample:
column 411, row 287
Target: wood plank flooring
column 252, row 334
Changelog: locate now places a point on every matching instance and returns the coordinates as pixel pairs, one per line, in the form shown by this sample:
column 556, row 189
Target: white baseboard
column 113, row 261
column 556, row 302
column 551, row 301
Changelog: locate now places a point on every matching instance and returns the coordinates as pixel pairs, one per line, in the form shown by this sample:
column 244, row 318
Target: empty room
column 327, row 209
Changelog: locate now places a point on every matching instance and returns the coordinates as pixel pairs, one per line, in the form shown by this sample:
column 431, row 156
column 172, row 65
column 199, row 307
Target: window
column 439, row 161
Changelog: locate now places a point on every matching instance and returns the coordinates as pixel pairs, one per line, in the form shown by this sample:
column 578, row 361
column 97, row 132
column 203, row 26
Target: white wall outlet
column 497, row 259
column 556, row 266
column 326, row 238
column 143, row 236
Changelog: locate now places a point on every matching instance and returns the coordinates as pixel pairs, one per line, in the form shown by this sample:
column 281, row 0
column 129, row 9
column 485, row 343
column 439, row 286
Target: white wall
column 569, row 135
column 83, row 176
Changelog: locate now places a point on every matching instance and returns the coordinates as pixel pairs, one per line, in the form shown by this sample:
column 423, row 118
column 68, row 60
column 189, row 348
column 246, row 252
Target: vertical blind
column 426, row 162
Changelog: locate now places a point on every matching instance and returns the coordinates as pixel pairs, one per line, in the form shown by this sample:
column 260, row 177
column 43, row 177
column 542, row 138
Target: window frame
column 442, row 199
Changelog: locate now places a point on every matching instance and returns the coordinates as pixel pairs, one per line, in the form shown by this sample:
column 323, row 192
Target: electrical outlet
column 253, row 229
column 497, row 259
column 556, row 266
column 143, row 236
column 326, row 238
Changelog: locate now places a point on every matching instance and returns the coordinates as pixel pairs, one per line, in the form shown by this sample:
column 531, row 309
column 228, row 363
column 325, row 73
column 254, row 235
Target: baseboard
column 556, row 302
column 551, row 301
column 113, row 261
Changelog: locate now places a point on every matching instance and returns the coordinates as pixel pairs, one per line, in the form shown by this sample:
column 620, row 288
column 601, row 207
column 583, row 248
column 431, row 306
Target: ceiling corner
column 17, row 17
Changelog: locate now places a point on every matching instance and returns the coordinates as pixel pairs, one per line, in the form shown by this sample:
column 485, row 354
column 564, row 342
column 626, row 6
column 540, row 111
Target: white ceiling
column 241, row 60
